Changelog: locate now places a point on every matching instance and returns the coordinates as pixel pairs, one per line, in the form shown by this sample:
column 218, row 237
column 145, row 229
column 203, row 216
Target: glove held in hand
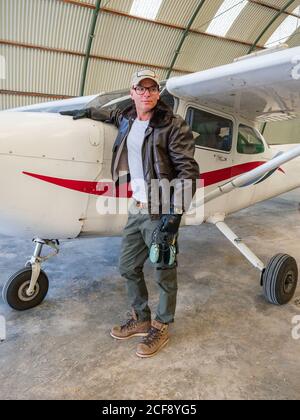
column 170, row 223
column 78, row 113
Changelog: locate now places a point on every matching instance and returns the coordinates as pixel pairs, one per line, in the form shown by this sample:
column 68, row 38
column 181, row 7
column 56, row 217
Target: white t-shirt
column 135, row 141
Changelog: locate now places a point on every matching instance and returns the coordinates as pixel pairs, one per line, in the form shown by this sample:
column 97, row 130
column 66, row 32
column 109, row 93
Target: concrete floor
column 227, row 342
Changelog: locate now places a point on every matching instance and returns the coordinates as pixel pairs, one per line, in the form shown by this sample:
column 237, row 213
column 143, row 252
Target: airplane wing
column 260, row 87
column 79, row 102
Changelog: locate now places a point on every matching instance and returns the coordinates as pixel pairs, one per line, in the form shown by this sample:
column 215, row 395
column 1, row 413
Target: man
column 152, row 143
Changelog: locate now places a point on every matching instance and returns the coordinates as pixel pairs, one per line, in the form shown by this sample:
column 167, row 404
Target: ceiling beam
column 277, row 9
column 278, row 14
column 79, row 3
column 106, row 10
column 184, row 35
column 34, row 94
column 96, row 57
column 91, row 37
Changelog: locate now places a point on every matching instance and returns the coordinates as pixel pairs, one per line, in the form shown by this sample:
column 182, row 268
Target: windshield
column 119, row 99
column 109, row 99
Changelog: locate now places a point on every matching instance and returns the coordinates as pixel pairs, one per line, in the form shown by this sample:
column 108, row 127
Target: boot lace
column 130, row 323
column 152, row 336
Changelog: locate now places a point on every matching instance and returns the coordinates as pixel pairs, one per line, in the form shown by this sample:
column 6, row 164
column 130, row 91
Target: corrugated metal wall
column 245, row 32
column 286, row 131
column 283, row 132
column 49, row 23
column 41, row 71
column 207, row 52
column 135, row 40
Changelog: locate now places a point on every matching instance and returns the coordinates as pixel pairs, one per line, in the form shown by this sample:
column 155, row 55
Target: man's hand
column 78, row 113
column 170, row 223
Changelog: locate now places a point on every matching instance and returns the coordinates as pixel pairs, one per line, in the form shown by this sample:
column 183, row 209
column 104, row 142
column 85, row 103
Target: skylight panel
column 226, row 16
column 146, row 8
column 285, row 30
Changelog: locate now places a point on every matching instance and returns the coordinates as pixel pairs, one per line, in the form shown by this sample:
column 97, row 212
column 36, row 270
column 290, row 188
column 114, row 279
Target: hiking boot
column 132, row 328
column 155, row 340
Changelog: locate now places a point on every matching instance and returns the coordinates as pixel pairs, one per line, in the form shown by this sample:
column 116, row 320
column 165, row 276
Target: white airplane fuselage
column 51, row 167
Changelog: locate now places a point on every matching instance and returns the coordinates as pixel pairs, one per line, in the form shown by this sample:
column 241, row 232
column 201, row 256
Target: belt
column 141, row 205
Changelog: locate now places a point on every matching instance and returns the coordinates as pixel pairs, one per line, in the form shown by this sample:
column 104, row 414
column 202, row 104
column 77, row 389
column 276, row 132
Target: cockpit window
column 111, row 100
column 169, row 99
column 210, row 131
column 249, row 141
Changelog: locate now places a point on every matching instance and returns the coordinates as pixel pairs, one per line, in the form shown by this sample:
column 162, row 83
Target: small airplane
column 58, row 169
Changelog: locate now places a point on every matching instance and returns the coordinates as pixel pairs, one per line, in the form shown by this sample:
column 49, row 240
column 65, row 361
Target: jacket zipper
column 121, row 149
column 146, row 152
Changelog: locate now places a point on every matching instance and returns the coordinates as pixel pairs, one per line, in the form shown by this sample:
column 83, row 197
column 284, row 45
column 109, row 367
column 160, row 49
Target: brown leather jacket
column 167, row 152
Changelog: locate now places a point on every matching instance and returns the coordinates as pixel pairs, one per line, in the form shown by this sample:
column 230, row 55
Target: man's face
column 147, row 101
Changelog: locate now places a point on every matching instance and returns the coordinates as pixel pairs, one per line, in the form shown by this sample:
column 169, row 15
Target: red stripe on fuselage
column 88, row 187
column 108, row 189
column 224, row 174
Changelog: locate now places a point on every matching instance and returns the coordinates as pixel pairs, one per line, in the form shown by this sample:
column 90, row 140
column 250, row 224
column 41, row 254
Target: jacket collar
column 162, row 115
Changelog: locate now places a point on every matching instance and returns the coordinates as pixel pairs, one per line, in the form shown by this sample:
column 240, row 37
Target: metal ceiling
column 62, row 48
column 278, row 15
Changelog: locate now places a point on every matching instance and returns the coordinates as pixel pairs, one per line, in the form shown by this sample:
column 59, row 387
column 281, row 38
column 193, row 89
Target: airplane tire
column 14, row 291
column 280, row 279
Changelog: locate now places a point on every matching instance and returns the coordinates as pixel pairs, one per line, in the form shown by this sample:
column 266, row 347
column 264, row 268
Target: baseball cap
column 140, row 75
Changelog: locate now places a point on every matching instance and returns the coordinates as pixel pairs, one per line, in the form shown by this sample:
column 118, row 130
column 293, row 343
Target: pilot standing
column 152, row 143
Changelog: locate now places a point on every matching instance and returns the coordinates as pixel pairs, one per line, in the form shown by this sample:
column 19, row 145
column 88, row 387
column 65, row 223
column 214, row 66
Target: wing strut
column 250, row 176
column 237, row 242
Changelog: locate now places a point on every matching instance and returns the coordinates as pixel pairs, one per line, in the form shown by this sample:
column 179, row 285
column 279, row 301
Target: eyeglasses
column 141, row 90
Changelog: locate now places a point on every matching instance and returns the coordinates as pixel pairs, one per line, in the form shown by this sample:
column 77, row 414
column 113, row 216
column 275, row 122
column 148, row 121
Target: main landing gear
column 278, row 279
column 28, row 287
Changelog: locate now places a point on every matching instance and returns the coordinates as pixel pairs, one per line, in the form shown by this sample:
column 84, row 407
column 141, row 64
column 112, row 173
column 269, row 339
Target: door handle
column 221, row 158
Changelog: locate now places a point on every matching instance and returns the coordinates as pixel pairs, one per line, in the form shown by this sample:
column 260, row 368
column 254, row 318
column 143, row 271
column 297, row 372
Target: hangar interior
column 227, row 343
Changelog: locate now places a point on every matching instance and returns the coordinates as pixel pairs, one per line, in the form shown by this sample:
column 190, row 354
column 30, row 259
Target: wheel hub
column 289, row 282
column 23, row 295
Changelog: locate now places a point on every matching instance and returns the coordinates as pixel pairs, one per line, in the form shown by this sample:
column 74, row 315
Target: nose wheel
column 28, row 287
column 15, row 292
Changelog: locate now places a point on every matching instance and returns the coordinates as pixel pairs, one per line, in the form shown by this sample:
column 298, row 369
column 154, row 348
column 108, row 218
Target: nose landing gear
column 28, row 287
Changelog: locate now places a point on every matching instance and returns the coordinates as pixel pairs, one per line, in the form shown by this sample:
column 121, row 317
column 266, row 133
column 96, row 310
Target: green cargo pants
column 136, row 242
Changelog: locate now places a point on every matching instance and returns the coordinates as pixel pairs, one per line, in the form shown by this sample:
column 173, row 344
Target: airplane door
column 213, row 138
